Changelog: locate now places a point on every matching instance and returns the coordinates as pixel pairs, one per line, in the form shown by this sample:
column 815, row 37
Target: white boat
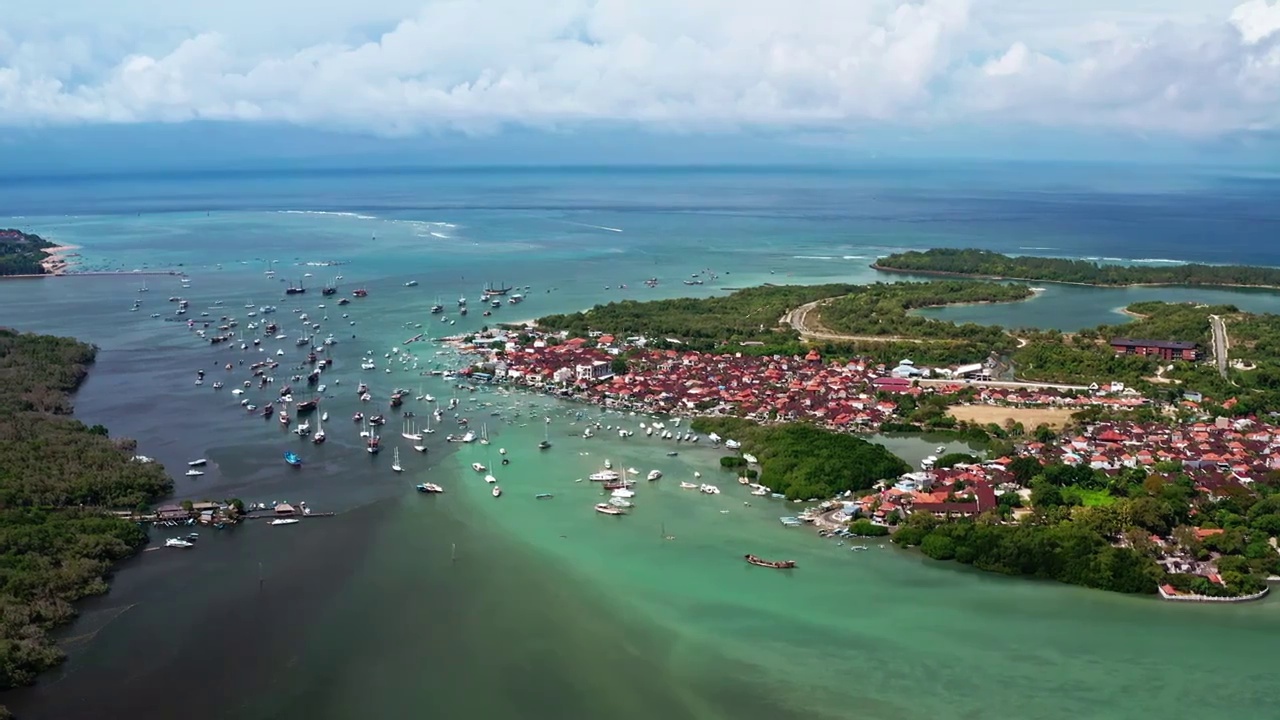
column 478, row 467
column 197, row 463
column 319, row 437
column 324, row 416
column 194, row 473
column 285, row 521
column 608, row 464
column 395, row 460
column 751, row 459
column 484, row 434
column 497, row 491
column 411, row 433
column 710, row 489
column 607, row 509
column 178, row 543
column 654, row 474
column 732, row 444
column 420, row 448
column 620, row 502
column 623, row 493
column 468, row 437
column 490, row 479
column 688, row 486
column 603, row 476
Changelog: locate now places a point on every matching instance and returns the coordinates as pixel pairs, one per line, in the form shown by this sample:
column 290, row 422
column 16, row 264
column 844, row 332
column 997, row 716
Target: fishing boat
column 197, row 463
column 607, row 509
column 775, row 564
column 497, row 491
column 429, row 488
column 194, row 473
column 285, row 521
column 395, row 460
column 292, row 458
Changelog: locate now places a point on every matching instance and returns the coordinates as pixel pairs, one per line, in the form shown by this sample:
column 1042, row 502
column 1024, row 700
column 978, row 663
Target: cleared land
column 1029, row 417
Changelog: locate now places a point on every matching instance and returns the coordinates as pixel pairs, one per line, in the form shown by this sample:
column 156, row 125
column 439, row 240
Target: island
column 60, row 482
column 1137, row 457
column 974, row 263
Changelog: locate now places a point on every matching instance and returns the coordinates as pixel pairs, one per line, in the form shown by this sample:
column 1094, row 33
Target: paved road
column 810, row 327
column 1220, row 344
column 1004, row 384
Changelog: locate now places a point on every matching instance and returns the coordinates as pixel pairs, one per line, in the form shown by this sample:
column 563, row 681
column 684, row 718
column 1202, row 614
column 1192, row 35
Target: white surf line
column 595, row 227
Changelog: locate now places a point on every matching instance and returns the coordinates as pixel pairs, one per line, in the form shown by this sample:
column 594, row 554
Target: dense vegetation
column 983, row 263
column 1094, row 529
column 802, row 461
column 883, row 310
column 702, row 324
column 56, row 474
column 21, row 253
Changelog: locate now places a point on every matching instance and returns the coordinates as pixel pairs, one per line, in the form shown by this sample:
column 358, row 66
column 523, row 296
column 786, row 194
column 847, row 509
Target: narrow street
column 1220, row 344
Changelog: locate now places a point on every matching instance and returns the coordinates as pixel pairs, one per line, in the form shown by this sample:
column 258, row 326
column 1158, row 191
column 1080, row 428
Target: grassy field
column 1056, row 418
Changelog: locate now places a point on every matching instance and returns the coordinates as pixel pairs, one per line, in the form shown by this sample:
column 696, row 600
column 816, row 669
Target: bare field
column 1029, row 417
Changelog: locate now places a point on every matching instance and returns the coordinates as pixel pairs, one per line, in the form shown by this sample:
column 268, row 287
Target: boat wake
column 357, row 216
column 594, row 227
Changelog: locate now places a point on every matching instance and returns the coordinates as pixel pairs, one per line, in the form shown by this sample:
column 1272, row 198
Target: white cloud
column 1200, row 67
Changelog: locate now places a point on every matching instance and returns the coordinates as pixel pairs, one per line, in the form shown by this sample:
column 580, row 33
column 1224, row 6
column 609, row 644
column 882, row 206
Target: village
column 1220, row 459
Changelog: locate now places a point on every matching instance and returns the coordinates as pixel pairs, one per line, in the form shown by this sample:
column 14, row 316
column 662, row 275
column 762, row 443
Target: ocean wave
column 1166, row 261
column 357, row 216
column 813, row 257
column 853, row 257
column 442, row 236
column 1031, row 247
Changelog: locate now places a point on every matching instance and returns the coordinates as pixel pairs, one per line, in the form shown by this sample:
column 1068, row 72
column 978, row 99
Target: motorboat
column 285, row 521
column 654, row 474
column 194, row 473
column 497, row 491
column 178, row 543
column 774, row 564
column 478, row 467
column 429, row 488
column 197, row 463
column 688, row 486
column 490, row 479
column 604, row 476
column 543, row 496
column 292, row 458
column 607, row 509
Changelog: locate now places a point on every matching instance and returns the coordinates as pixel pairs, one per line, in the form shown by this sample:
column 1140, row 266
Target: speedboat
column 285, row 521
column 197, row 463
column 178, row 543
column 429, row 488
column 478, row 467
column 194, row 473
column 490, row 479
column 654, row 474
column 497, row 491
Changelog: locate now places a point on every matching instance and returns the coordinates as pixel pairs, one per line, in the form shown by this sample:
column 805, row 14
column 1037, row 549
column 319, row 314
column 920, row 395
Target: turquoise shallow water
column 461, row 604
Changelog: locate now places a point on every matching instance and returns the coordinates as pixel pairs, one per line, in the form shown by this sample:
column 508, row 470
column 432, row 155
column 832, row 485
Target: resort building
column 1163, row 349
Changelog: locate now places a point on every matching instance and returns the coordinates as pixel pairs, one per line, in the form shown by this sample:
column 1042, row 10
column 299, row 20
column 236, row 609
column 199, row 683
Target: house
column 1163, row 349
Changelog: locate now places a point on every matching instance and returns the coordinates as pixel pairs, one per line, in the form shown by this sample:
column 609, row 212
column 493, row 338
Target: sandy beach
column 57, row 262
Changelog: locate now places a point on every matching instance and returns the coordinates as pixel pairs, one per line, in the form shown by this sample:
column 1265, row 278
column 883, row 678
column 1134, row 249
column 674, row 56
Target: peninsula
column 1152, row 472
column 24, row 254
column 59, row 479
column 974, row 263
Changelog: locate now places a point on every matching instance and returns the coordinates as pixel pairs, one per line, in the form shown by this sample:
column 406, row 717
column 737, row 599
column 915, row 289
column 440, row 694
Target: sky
column 1190, row 78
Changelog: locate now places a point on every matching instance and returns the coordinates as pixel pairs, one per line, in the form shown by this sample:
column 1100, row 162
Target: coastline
column 57, row 262
column 977, row 276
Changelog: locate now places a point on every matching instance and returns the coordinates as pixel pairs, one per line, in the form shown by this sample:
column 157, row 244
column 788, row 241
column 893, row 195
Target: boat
column 284, row 418
column 608, row 464
column 178, row 543
column 429, row 488
column 688, row 486
column 654, row 474
column 478, row 467
column 307, row 406
column 543, row 496
column 497, row 491
column 490, row 479
column 295, row 289
column 437, row 308
column 285, row 521
column 607, row 509
column 604, row 476
column 292, row 458
column 545, row 444
column 775, row 564
column 395, row 460
column 197, row 463
column 491, row 291
column 194, row 473
column 373, row 444
column 360, row 292
column 319, row 437
column 410, row 433
column 411, row 283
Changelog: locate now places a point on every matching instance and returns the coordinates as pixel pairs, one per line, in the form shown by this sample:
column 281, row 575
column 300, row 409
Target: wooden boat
column 775, row 564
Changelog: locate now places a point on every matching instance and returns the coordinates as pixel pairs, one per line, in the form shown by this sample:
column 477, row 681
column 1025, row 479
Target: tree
column 1024, row 468
column 187, row 505
column 618, row 366
column 1045, row 495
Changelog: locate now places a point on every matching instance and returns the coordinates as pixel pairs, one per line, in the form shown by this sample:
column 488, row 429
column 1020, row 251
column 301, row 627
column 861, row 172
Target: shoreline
column 977, row 276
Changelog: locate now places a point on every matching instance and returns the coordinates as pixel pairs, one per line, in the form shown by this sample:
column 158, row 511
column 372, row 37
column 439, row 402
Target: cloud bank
column 1198, row 68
